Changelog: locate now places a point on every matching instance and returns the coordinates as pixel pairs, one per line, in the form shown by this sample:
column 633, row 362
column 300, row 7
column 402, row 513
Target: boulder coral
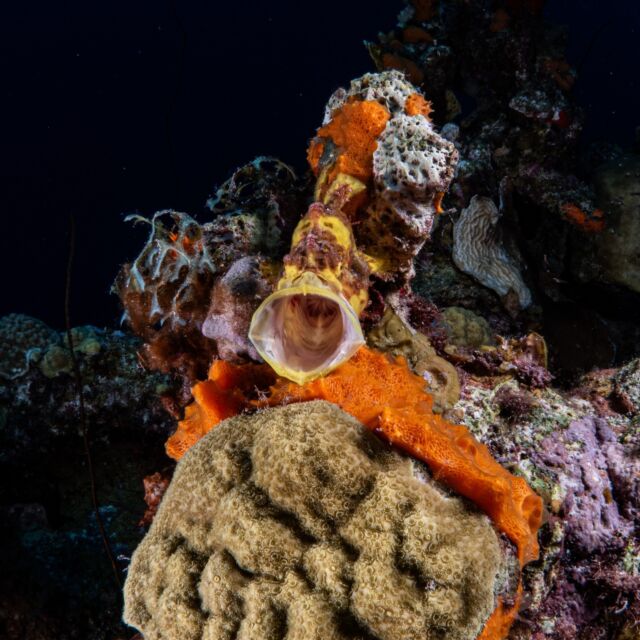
column 298, row 522
column 389, row 399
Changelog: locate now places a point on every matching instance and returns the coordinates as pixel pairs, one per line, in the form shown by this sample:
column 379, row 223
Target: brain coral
column 298, row 523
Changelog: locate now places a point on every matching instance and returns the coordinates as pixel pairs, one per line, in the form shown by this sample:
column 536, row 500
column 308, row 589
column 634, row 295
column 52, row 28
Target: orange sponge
column 591, row 223
column 223, row 395
column 354, row 129
column 417, row 105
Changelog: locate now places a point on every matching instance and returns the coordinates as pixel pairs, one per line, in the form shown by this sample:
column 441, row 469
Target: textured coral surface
column 297, row 522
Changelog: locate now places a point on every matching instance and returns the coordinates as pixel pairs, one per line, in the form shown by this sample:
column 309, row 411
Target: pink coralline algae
column 591, row 467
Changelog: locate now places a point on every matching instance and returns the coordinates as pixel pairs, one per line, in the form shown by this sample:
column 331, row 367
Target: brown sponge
column 298, row 523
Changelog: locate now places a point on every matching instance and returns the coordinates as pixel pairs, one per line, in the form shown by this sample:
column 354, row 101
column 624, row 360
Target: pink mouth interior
column 308, row 330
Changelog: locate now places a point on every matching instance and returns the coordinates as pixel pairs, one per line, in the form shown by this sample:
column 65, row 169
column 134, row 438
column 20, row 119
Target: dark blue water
column 109, row 108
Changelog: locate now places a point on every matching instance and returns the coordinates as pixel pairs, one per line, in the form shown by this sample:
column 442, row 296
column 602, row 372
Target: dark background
column 133, row 106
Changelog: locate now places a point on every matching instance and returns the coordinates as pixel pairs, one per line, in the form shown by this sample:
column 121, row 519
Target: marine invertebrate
column 590, row 222
column 298, row 522
column 226, row 392
column 413, row 167
column 394, row 337
column 478, row 250
column 165, row 292
column 309, row 325
column 380, row 133
column 155, row 486
column 466, row 329
column 353, row 131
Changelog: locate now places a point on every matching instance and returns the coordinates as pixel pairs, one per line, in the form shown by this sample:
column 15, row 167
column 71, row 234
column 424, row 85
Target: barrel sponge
column 297, row 522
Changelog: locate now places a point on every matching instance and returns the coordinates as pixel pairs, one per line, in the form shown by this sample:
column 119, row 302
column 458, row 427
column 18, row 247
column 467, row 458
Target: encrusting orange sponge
column 225, row 394
column 354, row 129
column 417, row 105
column 385, row 396
column 591, row 223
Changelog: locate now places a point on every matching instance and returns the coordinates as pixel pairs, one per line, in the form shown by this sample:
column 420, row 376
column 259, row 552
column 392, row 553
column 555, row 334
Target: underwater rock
column 22, row 340
column 581, row 457
column 263, row 199
column 583, row 467
column 612, row 256
column 524, row 359
column 479, row 250
column 297, row 521
column 41, row 407
column 56, row 582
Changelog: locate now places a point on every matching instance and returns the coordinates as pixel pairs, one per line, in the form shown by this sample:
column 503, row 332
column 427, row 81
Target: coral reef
column 379, row 132
column 450, row 218
column 296, row 521
column 478, row 250
column 586, row 470
column 22, row 340
column 56, row 581
column 167, row 290
column 40, row 407
column 522, row 358
column 500, row 87
column 388, row 398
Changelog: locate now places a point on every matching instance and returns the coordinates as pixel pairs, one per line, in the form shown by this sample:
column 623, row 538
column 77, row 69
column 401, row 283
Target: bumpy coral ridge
column 296, row 522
